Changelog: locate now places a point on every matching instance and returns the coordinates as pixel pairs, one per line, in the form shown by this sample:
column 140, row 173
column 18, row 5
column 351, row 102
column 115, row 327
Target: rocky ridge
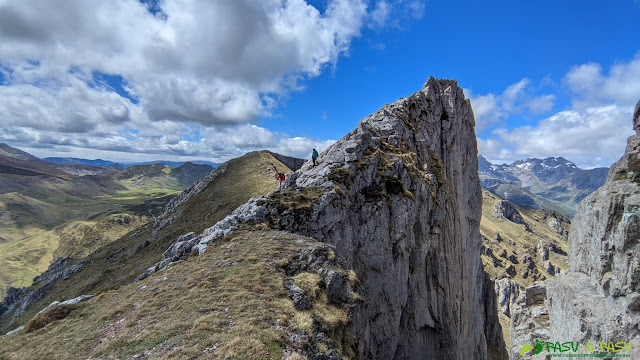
column 21, row 299
column 598, row 300
column 399, row 198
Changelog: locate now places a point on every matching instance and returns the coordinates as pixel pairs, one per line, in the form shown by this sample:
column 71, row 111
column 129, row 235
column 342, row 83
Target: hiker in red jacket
column 280, row 177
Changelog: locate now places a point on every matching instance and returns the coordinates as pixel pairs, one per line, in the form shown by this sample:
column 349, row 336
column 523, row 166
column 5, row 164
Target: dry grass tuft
column 41, row 320
column 310, row 283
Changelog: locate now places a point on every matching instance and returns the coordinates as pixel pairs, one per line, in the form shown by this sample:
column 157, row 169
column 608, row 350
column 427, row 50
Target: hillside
column 119, row 262
column 551, row 183
column 17, row 162
column 523, row 248
column 513, row 249
column 49, row 209
column 227, row 304
column 400, row 215
column 596, row 300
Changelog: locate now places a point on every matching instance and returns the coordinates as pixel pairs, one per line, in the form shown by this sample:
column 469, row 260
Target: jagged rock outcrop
column 291, row 162
column 400, row 199
column 529, row 321
column 20, row 300
column 507, row 291
column 75, row 300
column 505, row 209
column 597, row 300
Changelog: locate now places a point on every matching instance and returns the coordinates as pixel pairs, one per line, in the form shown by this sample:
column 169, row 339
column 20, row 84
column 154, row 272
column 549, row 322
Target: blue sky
column 180, row 79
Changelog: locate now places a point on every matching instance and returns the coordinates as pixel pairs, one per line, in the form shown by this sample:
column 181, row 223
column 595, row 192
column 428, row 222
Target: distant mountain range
column 107, row 163
column 554, row 183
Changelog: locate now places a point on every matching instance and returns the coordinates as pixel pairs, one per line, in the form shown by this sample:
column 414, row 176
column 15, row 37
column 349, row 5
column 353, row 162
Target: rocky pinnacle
column 399, row 197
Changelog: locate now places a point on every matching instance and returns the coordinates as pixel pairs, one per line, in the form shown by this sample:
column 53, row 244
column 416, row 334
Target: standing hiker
column 280, row 177
column 314, row 157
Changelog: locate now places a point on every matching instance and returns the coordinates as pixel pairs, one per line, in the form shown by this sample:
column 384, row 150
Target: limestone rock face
column 399, row 197
column 403, row 207
column 529, row 321
column 636, row 118
column 507, row 291
column 505, row 209
column 20, row 300
column 598, row 299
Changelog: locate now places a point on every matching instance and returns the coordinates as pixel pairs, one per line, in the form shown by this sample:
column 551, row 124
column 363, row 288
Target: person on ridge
column 280, row 177
column 314, row 157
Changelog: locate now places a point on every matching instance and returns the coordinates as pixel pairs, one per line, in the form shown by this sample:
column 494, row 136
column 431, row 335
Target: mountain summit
column 554, row 183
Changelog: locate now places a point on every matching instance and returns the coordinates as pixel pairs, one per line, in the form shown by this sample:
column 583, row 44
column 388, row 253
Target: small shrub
column 331, row 255
column 296, row 356
column 408, row 194
column 339, row 175
column 309, row 283
column 58, row 312
column 373, row 192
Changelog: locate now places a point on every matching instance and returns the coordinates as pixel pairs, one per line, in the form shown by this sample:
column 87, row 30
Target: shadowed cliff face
column 598, row 300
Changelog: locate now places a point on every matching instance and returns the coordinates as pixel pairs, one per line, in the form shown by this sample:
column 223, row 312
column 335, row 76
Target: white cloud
column 212, row 65
column 380, row 14
column 621, row 85
column 592, row 137
column 491, row 109
column 591, row 133
column 541, row 104
column 585, row 78
column 417, row 8
column 486, row 109
column 207, row 62
column 394, row 13
column 301, row 147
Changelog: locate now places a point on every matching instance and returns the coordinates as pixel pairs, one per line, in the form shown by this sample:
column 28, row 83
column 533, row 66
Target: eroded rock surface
column 597, row 300
column 400, row 199
column 18, row 301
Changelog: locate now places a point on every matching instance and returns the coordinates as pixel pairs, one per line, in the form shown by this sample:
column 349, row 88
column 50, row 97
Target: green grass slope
column 119, row 262
column 503, row 255
column 517, row 241
column 43, row 216
column 229, row 303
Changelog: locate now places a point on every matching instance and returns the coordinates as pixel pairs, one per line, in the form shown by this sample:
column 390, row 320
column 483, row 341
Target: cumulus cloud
column 216, row 66
column 209, row 62
column 591, row 133
column 394, row 13
column 591, row 138
column 621, row 85
column 491, row 109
